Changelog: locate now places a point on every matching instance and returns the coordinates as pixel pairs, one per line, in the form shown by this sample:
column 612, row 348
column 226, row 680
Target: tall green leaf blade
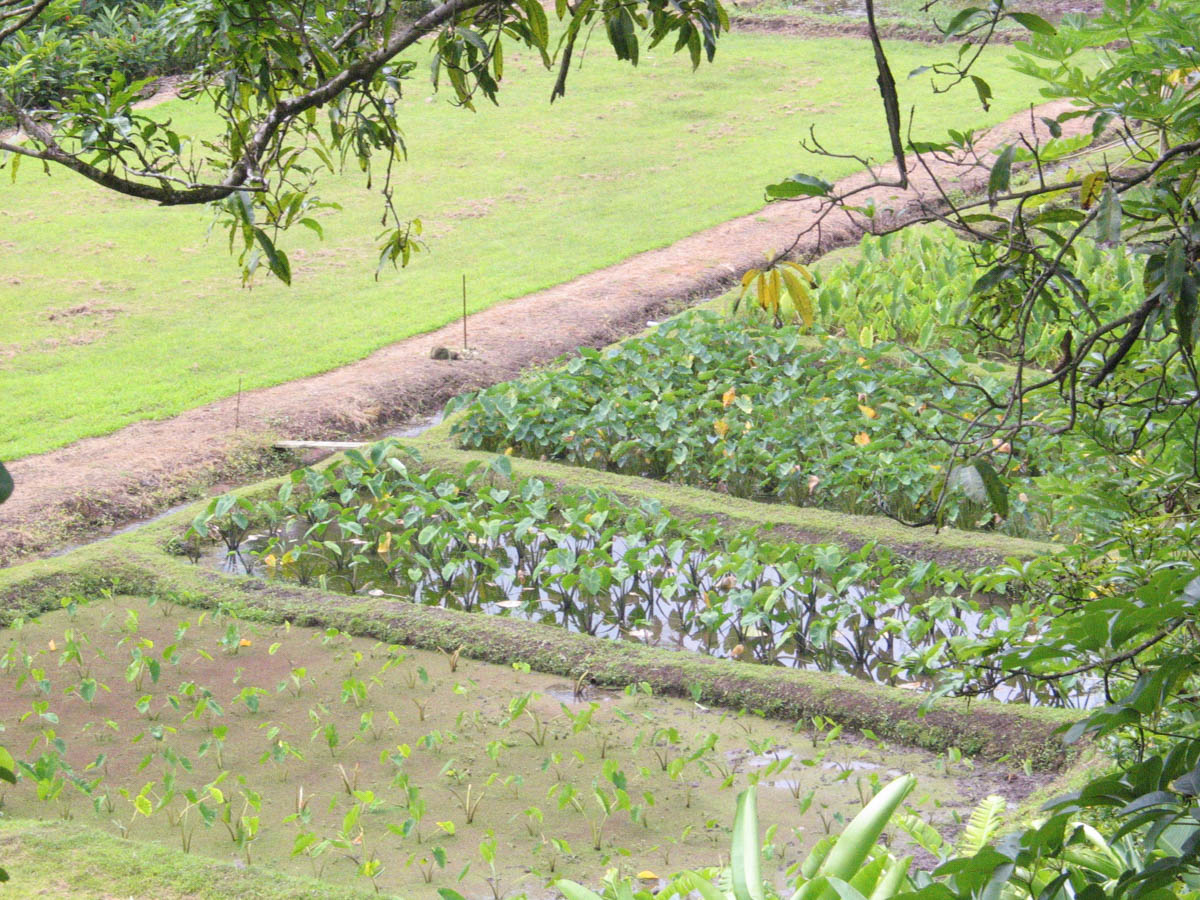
column 744, row 855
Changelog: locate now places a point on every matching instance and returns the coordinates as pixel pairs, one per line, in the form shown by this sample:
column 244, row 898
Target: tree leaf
column 984, row 90
column 1090, row 188
column 1001, row 176
column 799, row 185
column 1033, row 22
column 1108, row 218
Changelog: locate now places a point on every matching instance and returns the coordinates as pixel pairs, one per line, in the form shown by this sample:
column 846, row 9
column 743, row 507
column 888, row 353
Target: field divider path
column 79, row 491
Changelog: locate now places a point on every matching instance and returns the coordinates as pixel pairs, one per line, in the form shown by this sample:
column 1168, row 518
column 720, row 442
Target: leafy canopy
column 302, row 89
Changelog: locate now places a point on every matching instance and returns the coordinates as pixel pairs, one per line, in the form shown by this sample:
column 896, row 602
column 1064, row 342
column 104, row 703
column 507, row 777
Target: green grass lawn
column 113, row 311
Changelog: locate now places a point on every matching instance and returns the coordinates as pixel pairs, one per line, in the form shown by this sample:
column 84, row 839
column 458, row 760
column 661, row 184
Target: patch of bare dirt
column 100, row 482
column 83, row 310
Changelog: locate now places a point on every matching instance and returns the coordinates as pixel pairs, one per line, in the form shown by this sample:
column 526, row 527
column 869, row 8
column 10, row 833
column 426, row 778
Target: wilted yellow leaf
column 721, row 427
column 862, row 439
column 385, row 542
column 728, row 397
column 270, row 561
column 867, row 411
column 245, row 642
column 646, row 875
column 862, row 361
column 1180, row 76
column 508, row 451
column 52, row 644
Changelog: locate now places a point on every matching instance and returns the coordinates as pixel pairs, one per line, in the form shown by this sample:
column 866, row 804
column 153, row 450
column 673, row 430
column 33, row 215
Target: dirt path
column 102, row 482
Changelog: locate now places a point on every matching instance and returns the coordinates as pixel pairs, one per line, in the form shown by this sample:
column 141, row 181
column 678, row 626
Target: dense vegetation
column 770, row 413
column 135, row 41
column 384, row 525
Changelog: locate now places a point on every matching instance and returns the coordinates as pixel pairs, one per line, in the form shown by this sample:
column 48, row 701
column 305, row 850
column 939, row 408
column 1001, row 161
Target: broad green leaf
column 1033, row 22
column 799, row 185
column 1001, row 175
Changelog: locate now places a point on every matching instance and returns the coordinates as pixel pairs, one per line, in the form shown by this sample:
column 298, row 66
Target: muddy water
column 816, row 632
column 288, row 717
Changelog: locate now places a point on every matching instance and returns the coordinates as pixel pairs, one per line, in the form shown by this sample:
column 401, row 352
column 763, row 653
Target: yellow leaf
column 776, row 291
column 867, row 411
column 1179, row 76
column 728, row 397
column 245, row 642
column 1090, row 188
column 270, row 561
column 508, row 451
column 862, row 361
column 750, row 275
column 799, row 294
column 385, row 542
column 52, row 644
column 721, row 427
column 647, row 875
column 803, row 270
column 862, row 439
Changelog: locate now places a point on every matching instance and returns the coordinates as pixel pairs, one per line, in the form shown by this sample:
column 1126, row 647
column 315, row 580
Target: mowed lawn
column 113, row 311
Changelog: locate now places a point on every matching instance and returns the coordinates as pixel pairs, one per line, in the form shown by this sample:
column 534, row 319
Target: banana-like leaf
column 744, row 855
column 892, row 881
column 859, row 837
column 574, row 891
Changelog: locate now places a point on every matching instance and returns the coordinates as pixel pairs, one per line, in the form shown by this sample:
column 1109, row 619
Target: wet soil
column 296, row 718
column 103, row 482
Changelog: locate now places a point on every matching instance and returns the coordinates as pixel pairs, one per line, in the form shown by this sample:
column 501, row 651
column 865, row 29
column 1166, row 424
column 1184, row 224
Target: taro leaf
column 8, row 767
column 450, row 894
column 1001, row 176
column 6, row 484
column 1033, row 22
column 502, row 465
column 799, row 185
column 996, row 491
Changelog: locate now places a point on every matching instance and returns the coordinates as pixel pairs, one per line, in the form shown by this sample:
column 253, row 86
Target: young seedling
column 451, row 658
